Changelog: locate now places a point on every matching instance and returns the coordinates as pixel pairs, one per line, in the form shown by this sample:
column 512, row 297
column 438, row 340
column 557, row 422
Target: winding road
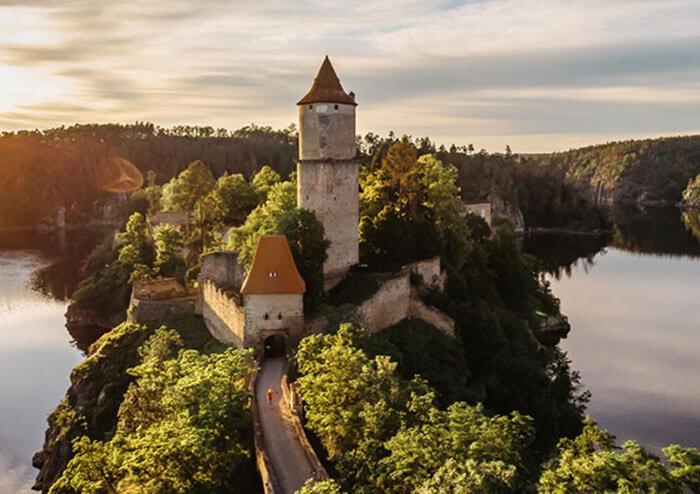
column 288, row 460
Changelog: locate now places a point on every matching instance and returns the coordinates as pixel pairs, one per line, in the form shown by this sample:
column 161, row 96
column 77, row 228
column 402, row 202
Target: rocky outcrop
column 92, row 401
column 691, row 195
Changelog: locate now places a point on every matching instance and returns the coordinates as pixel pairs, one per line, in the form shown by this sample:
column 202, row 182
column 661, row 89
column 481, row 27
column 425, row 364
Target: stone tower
column 327, row 181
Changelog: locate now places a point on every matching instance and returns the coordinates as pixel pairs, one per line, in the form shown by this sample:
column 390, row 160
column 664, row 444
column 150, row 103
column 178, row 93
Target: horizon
column 539, row 76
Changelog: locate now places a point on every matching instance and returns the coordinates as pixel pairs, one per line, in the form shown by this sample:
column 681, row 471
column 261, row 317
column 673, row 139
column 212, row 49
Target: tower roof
column 273, row 270
column 326, row 88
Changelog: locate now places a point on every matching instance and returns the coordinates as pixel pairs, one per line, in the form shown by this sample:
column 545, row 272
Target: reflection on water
column 37, row 275
column 635, row 332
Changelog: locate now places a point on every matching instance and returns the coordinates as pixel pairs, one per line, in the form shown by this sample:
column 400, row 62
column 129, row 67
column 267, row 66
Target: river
column 38, row 273
column 632, row 300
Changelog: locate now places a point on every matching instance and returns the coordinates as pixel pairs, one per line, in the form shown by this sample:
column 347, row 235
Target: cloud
column 15, row 479
column 491, row 69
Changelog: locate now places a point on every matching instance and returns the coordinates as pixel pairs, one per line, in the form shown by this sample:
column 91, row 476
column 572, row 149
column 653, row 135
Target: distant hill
column 639, row 171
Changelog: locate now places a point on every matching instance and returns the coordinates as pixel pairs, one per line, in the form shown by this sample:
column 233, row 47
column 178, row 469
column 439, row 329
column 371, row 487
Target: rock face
column 691, row 194
column 91, row 403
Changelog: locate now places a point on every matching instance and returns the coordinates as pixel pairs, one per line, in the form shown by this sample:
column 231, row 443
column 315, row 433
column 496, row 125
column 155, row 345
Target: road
column 288, row 459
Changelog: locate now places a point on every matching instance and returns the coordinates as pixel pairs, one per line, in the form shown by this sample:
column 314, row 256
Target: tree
column 182, row 426
column 591, row 463
column 168, row 242
column 234, row 198
column 263, row 181
column 313, row 486
column 184, row 191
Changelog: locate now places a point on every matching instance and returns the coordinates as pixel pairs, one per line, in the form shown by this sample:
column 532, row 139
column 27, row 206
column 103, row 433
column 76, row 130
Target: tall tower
column 327, row 181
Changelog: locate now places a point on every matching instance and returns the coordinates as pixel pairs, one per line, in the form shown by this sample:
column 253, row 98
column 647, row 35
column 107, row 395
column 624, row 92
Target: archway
column 275, row 346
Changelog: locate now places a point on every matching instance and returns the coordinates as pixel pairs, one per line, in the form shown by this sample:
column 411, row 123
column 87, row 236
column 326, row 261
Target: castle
column 264, row 309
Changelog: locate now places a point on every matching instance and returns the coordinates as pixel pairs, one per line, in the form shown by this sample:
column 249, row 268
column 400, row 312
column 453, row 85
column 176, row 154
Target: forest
column 401, row 411
column 60, row 168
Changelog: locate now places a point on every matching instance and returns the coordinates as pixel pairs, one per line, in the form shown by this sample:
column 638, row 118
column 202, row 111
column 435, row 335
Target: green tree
column 168, row 242
column 591, row 463
column 184, row 191
column 183, row 426
column 263, row 181
column 234, row 198
column 312, row 486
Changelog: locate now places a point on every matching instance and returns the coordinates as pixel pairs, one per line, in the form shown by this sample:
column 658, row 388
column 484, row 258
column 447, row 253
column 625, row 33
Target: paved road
column 286, row 454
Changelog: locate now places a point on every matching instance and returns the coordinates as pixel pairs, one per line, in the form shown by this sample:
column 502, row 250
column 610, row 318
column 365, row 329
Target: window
column 311, row 107
column 266, row 316
column 279, row 316
column 336, row 107
column 272, row 274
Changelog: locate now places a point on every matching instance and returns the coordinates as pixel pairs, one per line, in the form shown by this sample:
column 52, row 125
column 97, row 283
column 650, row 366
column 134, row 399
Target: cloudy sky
column 539, row 75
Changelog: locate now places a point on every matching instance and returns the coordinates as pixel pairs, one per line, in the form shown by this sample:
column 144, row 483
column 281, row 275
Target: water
column 632, row 301
column 38, row 273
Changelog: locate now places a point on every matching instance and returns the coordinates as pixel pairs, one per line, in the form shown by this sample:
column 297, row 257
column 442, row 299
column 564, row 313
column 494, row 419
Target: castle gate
column 275, row 346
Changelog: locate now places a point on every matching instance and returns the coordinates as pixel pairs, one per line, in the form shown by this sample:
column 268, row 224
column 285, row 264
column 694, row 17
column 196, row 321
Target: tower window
column 272, row 274
column 335, row 106
column 323, row 141
column 279, row 316
column 266, row 316
column 311, row 107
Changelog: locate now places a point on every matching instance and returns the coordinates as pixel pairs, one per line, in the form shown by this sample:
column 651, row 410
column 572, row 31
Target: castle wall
column 155, row 310
column 330, row 190
column 222, row 315
column 429, row 271
column 435, row 317
column 327, row 131
column 388, row 306
column 223, row 269
column 272, row 314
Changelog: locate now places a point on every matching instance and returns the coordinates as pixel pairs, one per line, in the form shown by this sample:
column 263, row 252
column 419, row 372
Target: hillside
column 639, row 171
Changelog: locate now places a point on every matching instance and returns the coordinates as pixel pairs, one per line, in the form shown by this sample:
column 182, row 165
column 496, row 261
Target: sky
column 538, row 75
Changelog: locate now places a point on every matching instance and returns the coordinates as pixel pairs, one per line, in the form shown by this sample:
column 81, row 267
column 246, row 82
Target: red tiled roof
column 273, row 269
column 326, row 88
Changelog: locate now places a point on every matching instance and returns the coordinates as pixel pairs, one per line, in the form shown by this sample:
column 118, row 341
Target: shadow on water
column 652, row 231
column 65, row 253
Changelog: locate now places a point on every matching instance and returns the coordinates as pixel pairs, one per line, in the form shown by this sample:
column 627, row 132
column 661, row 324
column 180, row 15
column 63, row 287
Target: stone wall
column 223, row 269
column 430, row 273
column 272, row 314
column 326, row 131
column 330, row 190
column 155, row 310
column 175, row 218
column 419, row 310
column 388, row 306
column 224, row 317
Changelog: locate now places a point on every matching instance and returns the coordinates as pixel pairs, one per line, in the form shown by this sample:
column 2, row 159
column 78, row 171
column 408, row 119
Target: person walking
column 269, row 397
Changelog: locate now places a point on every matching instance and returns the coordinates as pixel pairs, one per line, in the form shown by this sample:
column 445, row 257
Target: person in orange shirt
column 269, row 396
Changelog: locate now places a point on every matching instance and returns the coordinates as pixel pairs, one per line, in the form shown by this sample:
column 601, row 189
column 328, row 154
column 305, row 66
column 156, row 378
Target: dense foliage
column 58, row 167
column 384, row 433
column 631, row 171
column 183, row 426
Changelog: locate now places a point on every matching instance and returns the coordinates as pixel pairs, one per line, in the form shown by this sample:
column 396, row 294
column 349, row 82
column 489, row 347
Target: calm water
column 37, row 274
column 632, row 301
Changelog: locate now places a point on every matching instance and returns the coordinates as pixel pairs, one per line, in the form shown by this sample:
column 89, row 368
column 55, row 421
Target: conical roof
column 273, row 269
column 326, row 88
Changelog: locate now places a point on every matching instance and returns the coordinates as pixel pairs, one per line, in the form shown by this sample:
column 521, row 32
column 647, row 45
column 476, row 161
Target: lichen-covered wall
column 272, row 314
column 330, row 190
column 224, row 318
column 327, row 131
